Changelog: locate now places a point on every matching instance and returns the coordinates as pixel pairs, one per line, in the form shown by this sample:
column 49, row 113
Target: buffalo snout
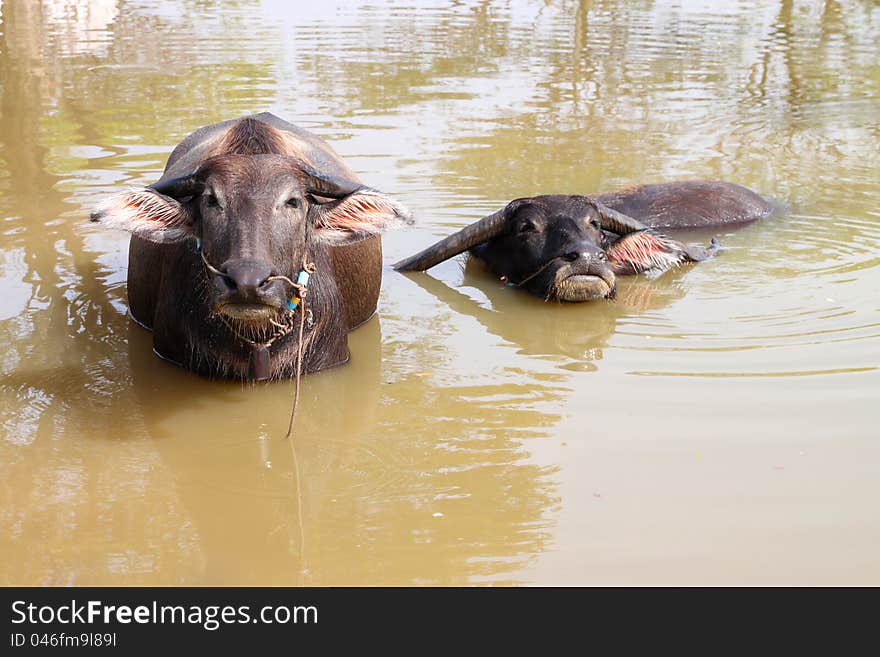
column 584, row 251
column 584, row 275
column 248, row 282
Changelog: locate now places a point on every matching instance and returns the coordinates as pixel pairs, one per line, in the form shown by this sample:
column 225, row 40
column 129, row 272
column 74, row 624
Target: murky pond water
column 716, row 425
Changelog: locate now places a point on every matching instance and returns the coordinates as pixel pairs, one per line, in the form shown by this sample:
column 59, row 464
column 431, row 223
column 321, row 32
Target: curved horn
column 178, row 187
column 478, row 232
column 324, row 184
column 617, row 222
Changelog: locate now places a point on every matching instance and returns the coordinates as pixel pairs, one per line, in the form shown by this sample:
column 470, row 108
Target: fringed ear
column 147, row 214
column 364, row 212
column 647, row 252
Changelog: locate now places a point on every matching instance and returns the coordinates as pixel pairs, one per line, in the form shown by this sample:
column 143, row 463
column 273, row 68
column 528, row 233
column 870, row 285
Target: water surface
column 716, row 425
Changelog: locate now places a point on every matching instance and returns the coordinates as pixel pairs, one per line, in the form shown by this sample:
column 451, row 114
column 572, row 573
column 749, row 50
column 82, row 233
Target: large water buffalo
column 571, row 248
column 257, row 244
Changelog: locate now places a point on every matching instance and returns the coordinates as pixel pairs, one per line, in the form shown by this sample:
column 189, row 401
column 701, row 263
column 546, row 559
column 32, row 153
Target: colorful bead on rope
column 303, row 281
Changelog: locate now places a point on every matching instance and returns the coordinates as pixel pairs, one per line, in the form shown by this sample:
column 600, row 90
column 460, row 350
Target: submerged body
column 571, row 248
column 221, row 241
column 688, row 204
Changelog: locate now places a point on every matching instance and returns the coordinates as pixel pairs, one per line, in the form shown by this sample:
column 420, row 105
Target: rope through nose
column 531, row 276
column 601, row 257
column 211, row 268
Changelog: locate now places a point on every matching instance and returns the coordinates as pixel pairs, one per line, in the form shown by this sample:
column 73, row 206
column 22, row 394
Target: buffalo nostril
column 572, row 256
column 226, row 278
column 246, row 277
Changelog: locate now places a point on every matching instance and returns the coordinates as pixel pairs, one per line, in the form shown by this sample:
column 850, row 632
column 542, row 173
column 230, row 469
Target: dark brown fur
column 688, row 204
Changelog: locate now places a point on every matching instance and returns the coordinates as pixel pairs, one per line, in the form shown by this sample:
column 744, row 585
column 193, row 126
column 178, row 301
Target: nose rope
column 211, row 268
column 531, row 276
column 540, row 269
column 281, row 329
column 301, row 285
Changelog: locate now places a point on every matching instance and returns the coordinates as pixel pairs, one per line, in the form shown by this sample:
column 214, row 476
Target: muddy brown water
column 716, row 425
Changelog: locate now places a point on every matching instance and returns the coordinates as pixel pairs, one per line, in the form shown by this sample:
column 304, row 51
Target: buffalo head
column 564, row 248
column 254, row 218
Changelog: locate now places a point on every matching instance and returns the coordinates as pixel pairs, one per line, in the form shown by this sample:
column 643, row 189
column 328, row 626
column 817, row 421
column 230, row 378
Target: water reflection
column 576, row 332
column 211, row 495
column 435, row 455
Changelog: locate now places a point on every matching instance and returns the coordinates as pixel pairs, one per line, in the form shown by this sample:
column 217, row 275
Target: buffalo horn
column 179, row 187
column 317, row 183
column 326, row 185
column 617, row 222
column 469, row 236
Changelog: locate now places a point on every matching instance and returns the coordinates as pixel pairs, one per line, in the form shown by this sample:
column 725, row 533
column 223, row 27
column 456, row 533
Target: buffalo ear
column 363, row 212
column 147, row 214
column 647, row 252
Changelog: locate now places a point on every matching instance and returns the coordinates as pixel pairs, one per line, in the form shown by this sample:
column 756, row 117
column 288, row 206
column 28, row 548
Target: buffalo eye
column 526, row 227
column 595, row 223
column 293, row 202
column 211, row 200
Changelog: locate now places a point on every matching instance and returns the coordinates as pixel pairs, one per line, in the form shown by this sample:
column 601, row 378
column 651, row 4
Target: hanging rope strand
column 299, row 350
column 309, row 268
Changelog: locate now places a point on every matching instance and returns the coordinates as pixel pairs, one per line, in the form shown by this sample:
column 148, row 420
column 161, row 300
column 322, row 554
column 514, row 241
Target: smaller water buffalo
column 249, row 216
column 571, row 248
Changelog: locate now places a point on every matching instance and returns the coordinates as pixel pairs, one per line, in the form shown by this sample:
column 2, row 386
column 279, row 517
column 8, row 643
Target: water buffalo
column 571, row 248
column 257, row 244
